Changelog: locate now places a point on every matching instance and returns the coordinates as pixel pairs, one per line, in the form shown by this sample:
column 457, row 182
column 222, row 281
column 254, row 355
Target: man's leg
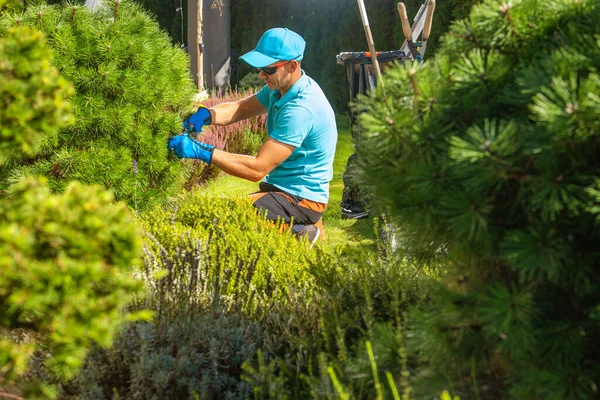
column 306, row 214
column 353, row 206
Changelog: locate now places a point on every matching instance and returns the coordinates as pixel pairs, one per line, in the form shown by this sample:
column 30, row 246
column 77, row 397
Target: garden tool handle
column 404, row 20
column 428, row 18
column 365, row 21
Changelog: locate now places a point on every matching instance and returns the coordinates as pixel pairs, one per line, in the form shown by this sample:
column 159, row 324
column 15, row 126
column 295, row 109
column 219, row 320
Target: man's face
column 278, row 79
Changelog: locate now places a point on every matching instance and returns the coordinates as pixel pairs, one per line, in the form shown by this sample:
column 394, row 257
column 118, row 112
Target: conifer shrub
column 131, row 87
column 489, row 154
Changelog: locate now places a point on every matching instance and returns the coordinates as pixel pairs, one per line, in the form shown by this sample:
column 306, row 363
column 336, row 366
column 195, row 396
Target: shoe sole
column 360, row 215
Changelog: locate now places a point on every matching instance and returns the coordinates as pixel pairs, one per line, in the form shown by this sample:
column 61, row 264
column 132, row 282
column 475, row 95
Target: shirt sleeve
column 263, row 96
column 292, row 126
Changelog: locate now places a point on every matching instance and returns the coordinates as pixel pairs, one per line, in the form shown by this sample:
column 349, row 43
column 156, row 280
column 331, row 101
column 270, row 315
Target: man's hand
column 197, row 120
column 184, row 147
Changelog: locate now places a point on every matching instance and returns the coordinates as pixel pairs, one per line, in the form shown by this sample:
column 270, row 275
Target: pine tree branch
column 471, row 39
column 523, row 173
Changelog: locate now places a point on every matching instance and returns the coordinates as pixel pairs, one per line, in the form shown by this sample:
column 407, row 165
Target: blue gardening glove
column 184, row 147
column 196, row 121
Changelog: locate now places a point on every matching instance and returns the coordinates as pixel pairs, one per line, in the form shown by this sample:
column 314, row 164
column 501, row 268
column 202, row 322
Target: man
column 295, row 162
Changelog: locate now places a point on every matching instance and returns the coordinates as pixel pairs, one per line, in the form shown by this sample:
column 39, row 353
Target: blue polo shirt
column 302, row 118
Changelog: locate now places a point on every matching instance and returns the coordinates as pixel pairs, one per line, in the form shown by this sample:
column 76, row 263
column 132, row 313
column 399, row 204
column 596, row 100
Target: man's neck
column 297, row 75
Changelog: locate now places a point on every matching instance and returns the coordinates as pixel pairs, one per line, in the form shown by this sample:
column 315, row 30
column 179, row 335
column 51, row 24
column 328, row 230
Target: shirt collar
column 292, row 92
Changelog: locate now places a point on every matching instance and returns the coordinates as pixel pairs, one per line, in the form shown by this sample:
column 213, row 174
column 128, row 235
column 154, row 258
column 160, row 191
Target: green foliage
column 66, row 262
column 131, row 87
column 179, row 356
column 33, row 97
column 10, row 6
column 65, row 259
column 251, row 81
column 223, row 282
column 361, row 297
column 489, row 154
column 235, row 233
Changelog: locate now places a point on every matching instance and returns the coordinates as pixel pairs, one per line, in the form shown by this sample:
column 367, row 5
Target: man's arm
column 228, row 113
column 271, row 154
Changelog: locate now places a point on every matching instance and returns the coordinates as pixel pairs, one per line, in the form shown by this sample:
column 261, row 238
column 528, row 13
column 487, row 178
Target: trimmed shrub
column 490, row 154
column 233, row 233
column 131, row 87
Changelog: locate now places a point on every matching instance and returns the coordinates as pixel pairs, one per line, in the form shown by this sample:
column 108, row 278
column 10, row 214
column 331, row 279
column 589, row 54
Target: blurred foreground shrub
column 66, row 264
column 490, row 152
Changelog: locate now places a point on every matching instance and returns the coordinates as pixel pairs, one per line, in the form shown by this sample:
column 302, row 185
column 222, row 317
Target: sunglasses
column 272, row 69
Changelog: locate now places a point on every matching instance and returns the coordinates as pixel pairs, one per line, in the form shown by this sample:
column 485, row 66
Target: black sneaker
column 310, row 232
column 349, row 213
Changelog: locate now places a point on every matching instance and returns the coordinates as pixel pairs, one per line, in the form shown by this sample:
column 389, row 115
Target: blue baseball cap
column 277, row 44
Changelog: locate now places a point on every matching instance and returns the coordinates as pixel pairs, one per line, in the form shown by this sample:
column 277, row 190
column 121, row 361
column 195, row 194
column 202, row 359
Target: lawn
column 338, row 231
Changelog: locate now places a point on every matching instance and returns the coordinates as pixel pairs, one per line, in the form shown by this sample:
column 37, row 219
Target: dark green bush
column 251, row 81
column 359, row 297
column 489, row 153
column 131, row 87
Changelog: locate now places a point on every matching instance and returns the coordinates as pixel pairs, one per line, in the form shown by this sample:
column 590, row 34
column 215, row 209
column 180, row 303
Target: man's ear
column 294, row 65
